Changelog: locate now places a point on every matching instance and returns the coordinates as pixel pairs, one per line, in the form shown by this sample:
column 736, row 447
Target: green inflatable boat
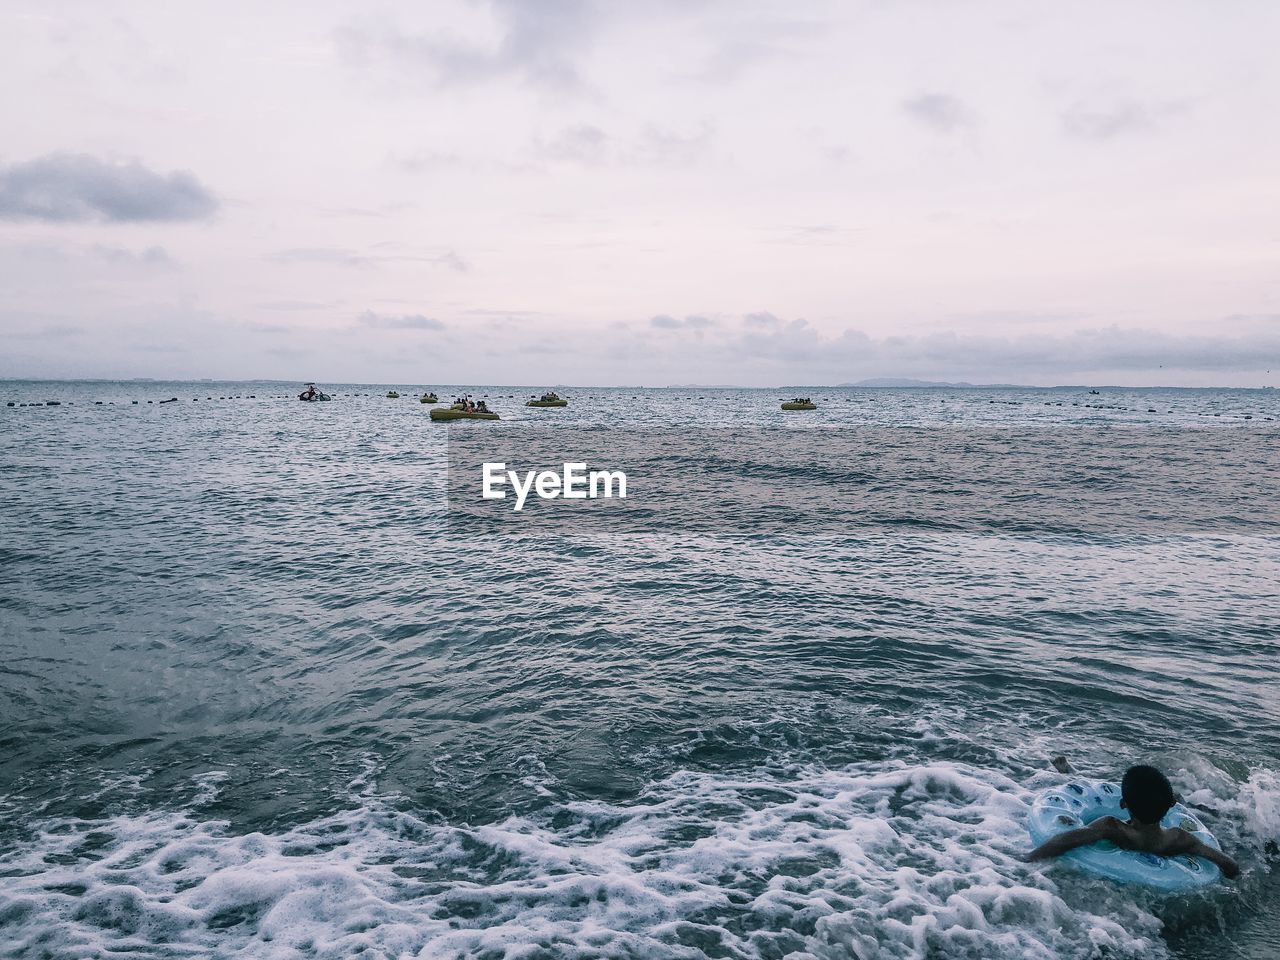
column 428, row 398
column 796, row 405
column 445, row 415
column 548, row 400
column 392, row 395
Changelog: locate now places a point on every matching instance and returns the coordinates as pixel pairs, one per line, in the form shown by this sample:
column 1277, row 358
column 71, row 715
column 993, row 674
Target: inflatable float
column 453, row 414
column 548, row 399
column 1080, row 802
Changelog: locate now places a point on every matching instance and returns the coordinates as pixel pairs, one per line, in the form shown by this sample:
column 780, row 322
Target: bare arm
column 1230, row 869
column 1100, row 829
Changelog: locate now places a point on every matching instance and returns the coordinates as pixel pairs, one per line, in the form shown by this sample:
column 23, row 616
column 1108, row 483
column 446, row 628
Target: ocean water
column 265, row 693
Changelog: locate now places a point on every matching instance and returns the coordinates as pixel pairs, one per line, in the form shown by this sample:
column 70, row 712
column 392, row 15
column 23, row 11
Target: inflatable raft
column 452, row 414
column 799, row 406
column 1081, row 802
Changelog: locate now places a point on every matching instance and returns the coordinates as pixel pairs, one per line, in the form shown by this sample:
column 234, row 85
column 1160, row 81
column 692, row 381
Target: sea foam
column 890, row 860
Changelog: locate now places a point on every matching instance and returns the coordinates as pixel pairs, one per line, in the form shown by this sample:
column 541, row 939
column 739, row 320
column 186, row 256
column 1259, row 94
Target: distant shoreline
column 881, row 383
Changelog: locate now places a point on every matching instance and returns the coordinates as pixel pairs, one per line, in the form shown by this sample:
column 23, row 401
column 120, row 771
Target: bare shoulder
column 1178, row 840
column 1103, row 828
column 1108, row 828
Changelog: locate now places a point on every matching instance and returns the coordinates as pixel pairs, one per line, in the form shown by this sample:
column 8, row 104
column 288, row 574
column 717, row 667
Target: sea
column 271, row 687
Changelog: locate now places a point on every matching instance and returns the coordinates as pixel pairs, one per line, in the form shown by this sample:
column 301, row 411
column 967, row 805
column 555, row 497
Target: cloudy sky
column 651, row 192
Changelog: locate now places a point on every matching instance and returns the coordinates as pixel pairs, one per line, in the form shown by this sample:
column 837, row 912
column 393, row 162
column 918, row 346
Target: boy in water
column 1147, row 794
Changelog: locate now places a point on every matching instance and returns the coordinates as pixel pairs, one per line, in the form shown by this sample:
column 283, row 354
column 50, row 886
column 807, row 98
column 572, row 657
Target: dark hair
column 1147, row 793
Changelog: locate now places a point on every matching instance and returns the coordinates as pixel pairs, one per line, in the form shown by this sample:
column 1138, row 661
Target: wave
column 883, row 860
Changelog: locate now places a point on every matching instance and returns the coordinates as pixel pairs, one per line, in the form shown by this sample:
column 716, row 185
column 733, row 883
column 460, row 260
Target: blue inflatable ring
column 1081, row 802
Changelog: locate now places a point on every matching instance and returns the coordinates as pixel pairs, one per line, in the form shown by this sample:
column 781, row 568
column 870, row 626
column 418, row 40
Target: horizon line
column 917, row 385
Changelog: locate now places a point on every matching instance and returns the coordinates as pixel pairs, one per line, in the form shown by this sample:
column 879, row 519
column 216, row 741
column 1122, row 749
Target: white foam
column 873, row 861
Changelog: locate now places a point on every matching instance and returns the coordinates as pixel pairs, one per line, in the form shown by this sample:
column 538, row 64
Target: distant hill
column 908, row 382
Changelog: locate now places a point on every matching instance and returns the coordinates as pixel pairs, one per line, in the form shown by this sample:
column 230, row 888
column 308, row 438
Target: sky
column 642, row 193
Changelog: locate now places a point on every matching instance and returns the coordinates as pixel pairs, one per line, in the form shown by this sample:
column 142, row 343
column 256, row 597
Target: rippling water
column 259, row 699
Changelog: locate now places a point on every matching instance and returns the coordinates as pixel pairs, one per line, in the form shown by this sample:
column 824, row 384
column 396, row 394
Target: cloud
column 763, row 348
column 693, row 322
column 817, row 235
column 535, row 42
column 731, row 59
column 1037, row 355
column 451, row 260
column 423, row 160
column 52, row 331
column 657, row 145
column 73, row 187
column 382, row 212
column 1123, row 118
column 331, row 255
column 426, row 160
column 590, row 146
column 413, row 321
column 150, row 257
column 299, row 305
column 940, row 112
column 505, row 315
column 67, row 253
column 580, row 143
column 744, row 36
column 343, row 257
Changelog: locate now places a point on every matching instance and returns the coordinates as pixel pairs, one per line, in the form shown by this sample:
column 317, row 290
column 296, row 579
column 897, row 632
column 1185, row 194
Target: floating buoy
column 1059, row 809
column 53, row 403
column 9, row 404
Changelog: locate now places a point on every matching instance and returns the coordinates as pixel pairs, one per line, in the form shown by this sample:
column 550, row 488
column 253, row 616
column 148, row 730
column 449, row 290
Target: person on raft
column 1147, row 794
column 309, row 393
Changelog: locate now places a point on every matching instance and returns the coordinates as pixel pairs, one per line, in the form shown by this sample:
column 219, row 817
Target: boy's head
column 1146, row 793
